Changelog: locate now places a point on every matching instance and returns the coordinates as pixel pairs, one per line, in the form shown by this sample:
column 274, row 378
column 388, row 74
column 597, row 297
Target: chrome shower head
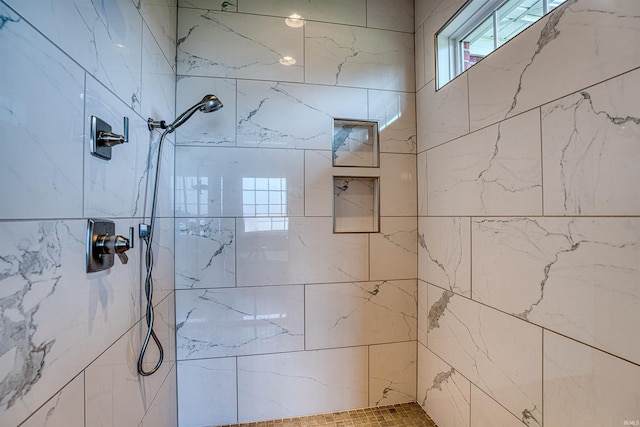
column 208, row 104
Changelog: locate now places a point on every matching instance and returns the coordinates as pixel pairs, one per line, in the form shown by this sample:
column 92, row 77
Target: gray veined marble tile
column 246, row 321
column 591, row 151
column 576, row 276
column 351, row 12
column 41, row 96
column 359, row 57
column 499, row 353
column 205, row 252
column 398, row 17
column 220, row 5
column 547, row 63
column 392, row 373
column 396, row 115
column 247, row 46
column 494, row 171
column 393, row 250
column 444, row 253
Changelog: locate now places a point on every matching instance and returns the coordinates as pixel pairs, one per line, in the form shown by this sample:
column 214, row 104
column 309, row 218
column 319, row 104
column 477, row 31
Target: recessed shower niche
column 356, row 204
column 355, row 143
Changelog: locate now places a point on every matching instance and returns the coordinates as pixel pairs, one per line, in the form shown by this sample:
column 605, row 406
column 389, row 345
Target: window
column 481, row 27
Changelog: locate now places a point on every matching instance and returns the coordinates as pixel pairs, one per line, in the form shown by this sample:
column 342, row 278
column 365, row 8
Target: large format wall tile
column 239, row 321
column 398, row 185
column 393, row 250
column 216, row 128
column 351, row 314
column 318, row 183
column 442, row 391
column 494, row 171
column 338, row 11
column 65, row 409
column 292, row 384
column 487, row 412
column 498, row 353
column 396, row 116
column 204, row 397
column 284, row 115
column 235, row 182
column 247, row 46
column 42, row 271
column 41, row 176
column 397, row 18
column 205, row 252
column 162, row 17
column 576, row 276
column 542, row 63
column 444, row 253
column 105, row 38
column 360, row 57
column 158, row 87
column 163, row 411
column 442, row 115
column 298, row 250
column 586, row 387
column 591, row 151
column 392, row 373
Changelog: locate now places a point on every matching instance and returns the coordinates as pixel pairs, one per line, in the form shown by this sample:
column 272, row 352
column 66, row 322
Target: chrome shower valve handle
column 115, row 245
column 103, row 244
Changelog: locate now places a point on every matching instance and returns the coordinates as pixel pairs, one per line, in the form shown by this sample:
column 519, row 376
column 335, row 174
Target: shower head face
column 210, row 103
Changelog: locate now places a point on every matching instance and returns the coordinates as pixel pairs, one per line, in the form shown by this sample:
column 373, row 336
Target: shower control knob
column 103, row 244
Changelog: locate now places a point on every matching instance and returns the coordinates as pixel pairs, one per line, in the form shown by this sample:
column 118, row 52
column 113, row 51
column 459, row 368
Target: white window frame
column 449, row 55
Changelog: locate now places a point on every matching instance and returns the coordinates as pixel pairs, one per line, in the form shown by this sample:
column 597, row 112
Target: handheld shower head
column 208, row 104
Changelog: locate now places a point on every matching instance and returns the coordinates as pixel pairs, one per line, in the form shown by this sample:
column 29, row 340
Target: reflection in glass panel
column 192, row 194
column 264, row 197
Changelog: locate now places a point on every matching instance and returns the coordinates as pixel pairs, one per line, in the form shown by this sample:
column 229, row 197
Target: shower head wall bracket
column 102, row 139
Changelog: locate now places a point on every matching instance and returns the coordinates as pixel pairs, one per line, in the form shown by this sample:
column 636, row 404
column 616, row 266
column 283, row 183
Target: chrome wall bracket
column 102, row 139
column 103, row 244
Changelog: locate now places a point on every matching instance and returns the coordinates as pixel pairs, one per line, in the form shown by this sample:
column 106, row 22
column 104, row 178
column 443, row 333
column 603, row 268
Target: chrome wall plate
column 96, row 228
column 99, row 126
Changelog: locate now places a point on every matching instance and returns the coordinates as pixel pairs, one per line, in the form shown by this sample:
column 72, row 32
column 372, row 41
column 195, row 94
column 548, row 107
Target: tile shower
column 505, row 293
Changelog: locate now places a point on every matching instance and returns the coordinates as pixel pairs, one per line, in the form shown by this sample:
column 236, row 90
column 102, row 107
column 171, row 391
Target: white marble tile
column 232, row 182
column 207, row 392
column 576, row 276
column 116, row 187
column 421, row 174
column 590, row 150
column 393, row 251
column 286, row 115
column 163, row 411
column 205, row 252
column 318, row 183
column 358, row 57
column 65, row 409
column 542, row 63
column 392, row 373
column 282, row 251
column 497, row 352
column 397, row 17
column 398, row 185
column 222, row 5
column 420, row 60
column 494, row 171
column 104, row 38
column 163, row 273
column 442, row 115
column 585, row 387
column 239, row 321
column 360, row 313
column 442, row 391
column 293, row 384
column 115, row 393
column 444, row 253
column 487, row 412
column 247, row 46
column 161, row 16
column 41, row 178
column 396, row 115
column 164, row 207
column 337, row 11
column 158, row 87
column 423, row 312
column 216, row 128
column 43, row 269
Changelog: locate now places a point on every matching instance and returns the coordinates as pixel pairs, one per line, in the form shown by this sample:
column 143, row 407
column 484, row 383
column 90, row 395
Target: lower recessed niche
column 356, row 204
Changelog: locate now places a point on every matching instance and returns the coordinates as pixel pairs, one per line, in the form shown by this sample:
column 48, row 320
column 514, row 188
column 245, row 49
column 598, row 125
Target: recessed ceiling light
column 287, row 60
column 294, row 21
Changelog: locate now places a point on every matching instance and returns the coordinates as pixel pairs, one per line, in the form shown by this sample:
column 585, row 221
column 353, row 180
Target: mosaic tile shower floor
column 403, row 415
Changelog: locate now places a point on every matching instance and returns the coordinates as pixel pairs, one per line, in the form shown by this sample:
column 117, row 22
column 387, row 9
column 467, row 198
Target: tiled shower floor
column 406, row 414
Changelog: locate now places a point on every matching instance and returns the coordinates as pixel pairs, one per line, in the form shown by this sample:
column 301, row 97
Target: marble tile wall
column 528, row 240
column 69, row 339
column 276, row 315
